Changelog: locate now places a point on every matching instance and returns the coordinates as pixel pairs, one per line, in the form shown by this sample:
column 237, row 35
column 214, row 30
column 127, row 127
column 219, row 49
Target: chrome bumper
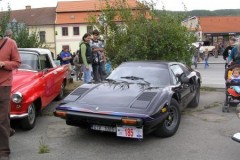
column 18, row 116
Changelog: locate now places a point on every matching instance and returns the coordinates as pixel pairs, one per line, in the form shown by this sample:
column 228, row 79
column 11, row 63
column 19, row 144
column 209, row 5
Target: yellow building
column 39, row 20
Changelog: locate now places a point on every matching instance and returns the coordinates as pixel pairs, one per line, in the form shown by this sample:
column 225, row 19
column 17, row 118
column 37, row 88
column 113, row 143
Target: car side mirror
column 183, row 78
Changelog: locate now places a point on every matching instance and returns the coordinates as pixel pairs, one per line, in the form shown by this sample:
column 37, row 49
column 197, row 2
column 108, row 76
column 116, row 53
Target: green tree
column 21, row 34
column 26, row 39
column 140, row 34
column 4, row 20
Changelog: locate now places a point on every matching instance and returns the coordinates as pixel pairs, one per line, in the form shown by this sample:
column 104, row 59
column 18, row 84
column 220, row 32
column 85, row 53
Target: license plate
column 103, row 128
column 130, row 132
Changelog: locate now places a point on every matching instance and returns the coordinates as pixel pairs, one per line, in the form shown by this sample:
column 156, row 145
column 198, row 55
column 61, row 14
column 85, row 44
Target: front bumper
column 18, row 116
column 85, row 120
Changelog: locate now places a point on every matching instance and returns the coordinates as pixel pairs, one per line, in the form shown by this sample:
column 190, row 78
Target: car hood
column 21, row 78
column 121, row 97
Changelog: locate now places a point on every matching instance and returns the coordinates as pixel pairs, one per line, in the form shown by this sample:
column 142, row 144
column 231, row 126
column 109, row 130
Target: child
column 235, row 78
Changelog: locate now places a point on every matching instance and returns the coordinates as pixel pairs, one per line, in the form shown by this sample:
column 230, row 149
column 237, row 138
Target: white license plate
column 103, row 128
column 130, row 131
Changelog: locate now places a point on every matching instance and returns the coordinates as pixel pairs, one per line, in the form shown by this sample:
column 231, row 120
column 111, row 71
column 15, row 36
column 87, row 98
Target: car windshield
column 150, row 75
column 29, row 61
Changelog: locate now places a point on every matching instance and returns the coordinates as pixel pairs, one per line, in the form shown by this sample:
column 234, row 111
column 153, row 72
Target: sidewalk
column 213, row 60
column 213, row 76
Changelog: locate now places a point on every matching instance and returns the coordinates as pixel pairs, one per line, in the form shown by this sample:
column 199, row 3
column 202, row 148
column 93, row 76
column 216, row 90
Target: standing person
column 66, row 59
column 99, row 58
column 86, row 57
column 8, row 33
column 194, row 51
column 77, row 66
column 234, row 56
column 9, row 60
column 228, row 50
column 206, row 55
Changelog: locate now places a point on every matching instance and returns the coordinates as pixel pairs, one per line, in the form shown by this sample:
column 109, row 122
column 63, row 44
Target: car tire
column 61, row 93
column 29, row 122
column 195, row 101
column 170, row 125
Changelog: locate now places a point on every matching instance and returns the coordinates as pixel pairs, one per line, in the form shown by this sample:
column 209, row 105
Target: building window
column 42, row 35
column 65, row 31
column 75, row 31
column 89, row 29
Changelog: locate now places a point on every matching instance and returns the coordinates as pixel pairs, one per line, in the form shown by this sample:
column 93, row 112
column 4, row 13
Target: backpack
column 80, row 55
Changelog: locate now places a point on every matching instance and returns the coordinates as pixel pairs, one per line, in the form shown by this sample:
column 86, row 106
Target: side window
column 174, row 78
column 45, row 62
column 176, row 69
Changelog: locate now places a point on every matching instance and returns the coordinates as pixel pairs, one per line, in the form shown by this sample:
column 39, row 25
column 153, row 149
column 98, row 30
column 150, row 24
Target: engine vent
column 147, row 96
column 79, row 91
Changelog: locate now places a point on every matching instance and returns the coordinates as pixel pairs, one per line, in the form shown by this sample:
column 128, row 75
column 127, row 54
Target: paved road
column 213, row 76
column 204, row 134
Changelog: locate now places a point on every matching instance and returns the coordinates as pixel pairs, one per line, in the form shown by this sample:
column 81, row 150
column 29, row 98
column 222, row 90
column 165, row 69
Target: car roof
column 38, row 50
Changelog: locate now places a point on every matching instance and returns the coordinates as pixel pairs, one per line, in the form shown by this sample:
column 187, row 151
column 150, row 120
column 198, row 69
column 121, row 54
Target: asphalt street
column 204, row 134
column 213, row 76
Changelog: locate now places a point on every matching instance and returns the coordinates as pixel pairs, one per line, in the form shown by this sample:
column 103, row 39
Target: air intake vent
column 79, row 91
column 147, row 96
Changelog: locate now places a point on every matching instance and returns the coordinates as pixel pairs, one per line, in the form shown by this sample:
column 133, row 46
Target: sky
column 173, row 5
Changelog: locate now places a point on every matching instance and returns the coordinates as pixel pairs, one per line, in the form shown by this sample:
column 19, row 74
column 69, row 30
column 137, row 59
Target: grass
column 43, row 148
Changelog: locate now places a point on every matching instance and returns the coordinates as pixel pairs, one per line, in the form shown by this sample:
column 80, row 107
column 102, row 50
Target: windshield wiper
column 135, row 78
column 110, row 80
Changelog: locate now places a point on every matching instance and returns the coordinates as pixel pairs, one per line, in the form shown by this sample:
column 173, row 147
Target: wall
column 71, row 40
column 50, row 35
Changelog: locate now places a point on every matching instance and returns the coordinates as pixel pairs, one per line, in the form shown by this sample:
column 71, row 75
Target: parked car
column 138, row 98
column 203, row 46
column 35, row 84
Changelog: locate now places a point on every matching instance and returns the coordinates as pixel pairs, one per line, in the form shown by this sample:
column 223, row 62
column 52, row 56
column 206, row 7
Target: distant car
column 138, row 98
column 35, row 84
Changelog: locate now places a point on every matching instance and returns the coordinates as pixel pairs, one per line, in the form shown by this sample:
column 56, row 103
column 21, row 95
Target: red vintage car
column 36, row 83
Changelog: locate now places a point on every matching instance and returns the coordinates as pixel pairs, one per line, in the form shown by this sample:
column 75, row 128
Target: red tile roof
column 73, row 18
column 87, row 5
column 79, row 11
column 220, row 24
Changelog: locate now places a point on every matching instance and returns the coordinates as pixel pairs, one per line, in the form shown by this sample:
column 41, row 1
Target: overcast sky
column 174, row 5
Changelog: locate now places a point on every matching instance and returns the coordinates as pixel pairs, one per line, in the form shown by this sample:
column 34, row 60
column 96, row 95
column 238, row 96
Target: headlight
column 17, row 97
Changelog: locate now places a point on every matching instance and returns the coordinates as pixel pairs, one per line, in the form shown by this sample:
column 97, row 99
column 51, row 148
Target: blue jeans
column 87, row 73
column 206, row 63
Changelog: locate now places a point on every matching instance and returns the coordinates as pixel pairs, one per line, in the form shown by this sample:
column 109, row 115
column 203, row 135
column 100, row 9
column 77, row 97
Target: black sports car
column 138, row 98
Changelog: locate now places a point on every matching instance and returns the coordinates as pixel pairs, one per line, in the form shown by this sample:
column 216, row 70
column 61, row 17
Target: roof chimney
column 28, row 7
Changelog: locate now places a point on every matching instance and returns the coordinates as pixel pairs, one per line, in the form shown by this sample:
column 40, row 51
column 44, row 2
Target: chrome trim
column 18, row 116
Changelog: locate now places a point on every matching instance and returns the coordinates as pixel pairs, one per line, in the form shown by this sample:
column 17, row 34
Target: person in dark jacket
column 228, row 50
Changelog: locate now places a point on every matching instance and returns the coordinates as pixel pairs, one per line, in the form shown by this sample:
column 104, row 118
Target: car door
column 181, row 88
column 192, row 83
column 48, row 79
